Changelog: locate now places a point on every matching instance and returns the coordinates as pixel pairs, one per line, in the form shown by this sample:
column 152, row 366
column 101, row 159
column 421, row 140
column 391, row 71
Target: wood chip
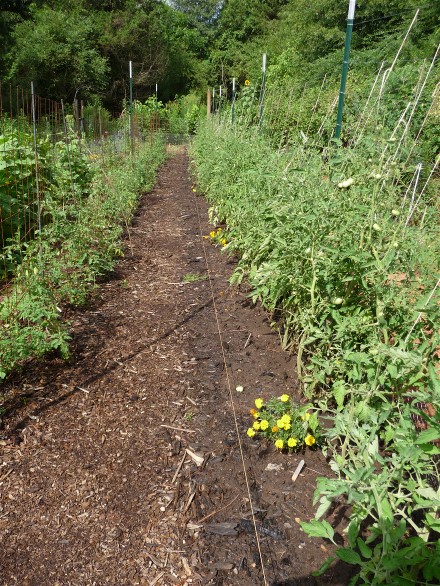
column 298, row 470
column 157, row 578
column 178, row 428
column 186, row 567
column 229, row 529
column 224, row 566
column 196, row 458
column 178, row 468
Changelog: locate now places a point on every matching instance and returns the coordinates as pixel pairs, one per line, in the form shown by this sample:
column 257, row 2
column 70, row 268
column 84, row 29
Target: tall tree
column 57, row 50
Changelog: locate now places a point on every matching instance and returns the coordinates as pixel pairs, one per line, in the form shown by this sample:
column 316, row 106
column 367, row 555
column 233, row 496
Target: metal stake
column 131, row 109
column 34, row 123
column 233, row 100
column 348, row 33
column 262, row 92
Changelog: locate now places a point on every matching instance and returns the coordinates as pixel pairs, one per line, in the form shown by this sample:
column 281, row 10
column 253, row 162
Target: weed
column 193, row 278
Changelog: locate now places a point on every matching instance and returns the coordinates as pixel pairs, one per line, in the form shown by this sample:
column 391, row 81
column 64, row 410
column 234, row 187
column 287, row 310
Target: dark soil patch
column 96, row 484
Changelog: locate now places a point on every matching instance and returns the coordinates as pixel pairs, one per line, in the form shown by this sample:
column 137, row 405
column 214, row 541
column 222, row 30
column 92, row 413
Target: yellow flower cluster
column 284, row 422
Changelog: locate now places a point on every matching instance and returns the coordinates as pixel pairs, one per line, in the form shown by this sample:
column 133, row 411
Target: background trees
column 83, row 47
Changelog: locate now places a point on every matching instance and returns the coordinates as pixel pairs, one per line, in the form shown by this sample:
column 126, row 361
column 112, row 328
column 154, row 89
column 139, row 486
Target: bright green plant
column 79, row 244
column 345, row 256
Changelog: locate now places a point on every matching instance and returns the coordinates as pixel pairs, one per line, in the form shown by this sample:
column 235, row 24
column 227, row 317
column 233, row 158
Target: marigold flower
column 280, row 423
column 286, row 418
column 264, row 424
column 256, row 414
column 250, row 432
column 284, row 398
column 259, row 403
column 287, row 426
column 223, row 241
column 279, row 444
column 247, row 82
column 212, row 234
column 292, row 442
column 309, row 440
column 275, row 429
column 256, row 425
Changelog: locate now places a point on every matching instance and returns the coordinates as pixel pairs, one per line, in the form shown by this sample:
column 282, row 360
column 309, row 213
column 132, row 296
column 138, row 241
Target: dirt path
column 96, row 487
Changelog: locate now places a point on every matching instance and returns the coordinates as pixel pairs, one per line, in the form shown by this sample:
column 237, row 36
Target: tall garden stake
column 348, row 33
column 219, row 101
column 233, row 101
column 131, row 110
column 263, row 89
column 66, row 138
column 37, row 186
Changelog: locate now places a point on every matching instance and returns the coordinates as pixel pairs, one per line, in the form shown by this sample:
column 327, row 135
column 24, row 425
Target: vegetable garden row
column 340, row 241
column 66, row 196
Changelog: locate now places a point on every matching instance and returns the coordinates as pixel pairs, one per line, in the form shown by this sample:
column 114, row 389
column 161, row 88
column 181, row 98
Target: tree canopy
column 82, row 47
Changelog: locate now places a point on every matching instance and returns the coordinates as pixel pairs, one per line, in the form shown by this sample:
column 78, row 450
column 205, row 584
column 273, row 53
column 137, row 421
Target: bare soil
column 96, row 484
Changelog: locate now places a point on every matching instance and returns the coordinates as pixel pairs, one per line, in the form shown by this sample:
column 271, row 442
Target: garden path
column 96, row 485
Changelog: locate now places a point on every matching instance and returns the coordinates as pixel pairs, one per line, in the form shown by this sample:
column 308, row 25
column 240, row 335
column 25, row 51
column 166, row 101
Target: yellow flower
column 292, row 442
column 287, row 426
column 284, row 398
column 250, row 432
column 280, row 423
column 305, row 417
column 286, row 418
column 212, row 234
column 275, row 429
column 309, row 440
column 223, row 242
column 264, row 424
column 259, row 403
column 256, row 425
column 256, row 414
column 279, row 444
column 247, row 82
column 194, row 189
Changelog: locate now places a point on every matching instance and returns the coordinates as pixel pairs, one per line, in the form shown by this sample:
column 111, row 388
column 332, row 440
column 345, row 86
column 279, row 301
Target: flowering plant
column 217, row 237
column 287, row 425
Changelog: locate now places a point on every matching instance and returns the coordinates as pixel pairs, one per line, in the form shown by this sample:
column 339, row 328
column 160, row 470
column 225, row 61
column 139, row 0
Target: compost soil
column 123, row 465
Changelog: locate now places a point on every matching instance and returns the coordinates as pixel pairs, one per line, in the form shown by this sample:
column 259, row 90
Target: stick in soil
column 206, row 517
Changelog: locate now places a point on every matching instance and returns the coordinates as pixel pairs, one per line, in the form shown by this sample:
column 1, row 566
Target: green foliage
column 81, row 243
column 17, row 168
column 330, row 242
column 57, row 50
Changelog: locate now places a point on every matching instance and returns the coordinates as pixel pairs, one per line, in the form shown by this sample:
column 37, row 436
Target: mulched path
column 96, row 485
